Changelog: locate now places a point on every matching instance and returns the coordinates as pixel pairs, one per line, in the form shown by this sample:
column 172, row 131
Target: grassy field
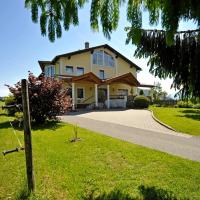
column 96, row 168
column 186, row 120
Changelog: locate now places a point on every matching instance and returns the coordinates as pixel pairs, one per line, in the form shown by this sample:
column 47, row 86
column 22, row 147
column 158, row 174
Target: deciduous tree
column 46, row 95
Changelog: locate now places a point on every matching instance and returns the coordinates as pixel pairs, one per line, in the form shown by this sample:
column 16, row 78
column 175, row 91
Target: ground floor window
column 80, row 93
column 123, row 92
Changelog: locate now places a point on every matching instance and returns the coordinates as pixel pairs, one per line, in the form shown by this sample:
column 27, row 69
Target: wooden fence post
column 27, row 136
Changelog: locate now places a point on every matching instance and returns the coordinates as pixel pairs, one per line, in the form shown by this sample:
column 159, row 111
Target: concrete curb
column 161, row 123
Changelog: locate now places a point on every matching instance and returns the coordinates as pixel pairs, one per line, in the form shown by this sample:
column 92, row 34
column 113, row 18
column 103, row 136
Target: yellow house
column 96, row 76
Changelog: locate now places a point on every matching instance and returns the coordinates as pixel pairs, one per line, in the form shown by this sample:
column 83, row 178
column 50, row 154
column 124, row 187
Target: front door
column 102, row 95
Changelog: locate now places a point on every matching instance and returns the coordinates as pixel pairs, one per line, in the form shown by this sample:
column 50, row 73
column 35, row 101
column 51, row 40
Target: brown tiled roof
column 91, row 49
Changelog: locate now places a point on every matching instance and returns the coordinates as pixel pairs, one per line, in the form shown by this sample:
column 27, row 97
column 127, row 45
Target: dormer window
column 102, row 58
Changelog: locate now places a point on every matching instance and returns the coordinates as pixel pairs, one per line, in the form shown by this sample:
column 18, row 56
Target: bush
column 46, row 96
column 141, row 102
column 141, row 92
column 197, row 106
column 184, row 104
column 10, row 100
column 130, row 101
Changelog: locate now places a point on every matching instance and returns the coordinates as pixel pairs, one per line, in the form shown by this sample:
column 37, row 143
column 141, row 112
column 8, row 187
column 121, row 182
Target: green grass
column 96, row 168
column 186, row 120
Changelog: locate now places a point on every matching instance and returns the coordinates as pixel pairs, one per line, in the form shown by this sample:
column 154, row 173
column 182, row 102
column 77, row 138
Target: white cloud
column 3, row 91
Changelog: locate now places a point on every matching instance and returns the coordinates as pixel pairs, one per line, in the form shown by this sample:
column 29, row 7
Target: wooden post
column 27, row 136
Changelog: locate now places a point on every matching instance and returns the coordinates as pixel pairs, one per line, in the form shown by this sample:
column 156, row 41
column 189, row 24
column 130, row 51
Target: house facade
column 96, row 76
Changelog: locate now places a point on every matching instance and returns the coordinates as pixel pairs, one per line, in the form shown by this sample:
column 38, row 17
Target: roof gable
column 91, row 49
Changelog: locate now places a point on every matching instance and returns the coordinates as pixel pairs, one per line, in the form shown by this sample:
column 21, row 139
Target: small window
column 80, row 71
column 80, row 93
column 69, row 69
column 101, row 74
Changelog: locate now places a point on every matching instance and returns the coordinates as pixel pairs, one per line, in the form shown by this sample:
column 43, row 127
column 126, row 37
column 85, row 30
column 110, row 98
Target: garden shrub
column 130, row 101
column 47, row 97
column 197, row 106
column 141, row 102
column 184, row 104
column 10, row 100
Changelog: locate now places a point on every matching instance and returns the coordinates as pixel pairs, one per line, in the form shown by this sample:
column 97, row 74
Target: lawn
column 186, row 120
column 96, row 168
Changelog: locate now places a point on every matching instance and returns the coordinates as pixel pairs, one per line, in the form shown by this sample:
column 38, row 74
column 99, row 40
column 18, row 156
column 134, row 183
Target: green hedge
column 137, row 102
column 141, row 102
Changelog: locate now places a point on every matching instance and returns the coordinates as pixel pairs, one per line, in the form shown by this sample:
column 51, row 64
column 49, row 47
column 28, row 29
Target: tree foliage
column 46, row 95
column 180, row 61
column 55, row 14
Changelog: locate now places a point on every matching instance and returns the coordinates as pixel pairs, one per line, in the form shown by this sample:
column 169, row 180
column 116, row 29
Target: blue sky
column 21, row 44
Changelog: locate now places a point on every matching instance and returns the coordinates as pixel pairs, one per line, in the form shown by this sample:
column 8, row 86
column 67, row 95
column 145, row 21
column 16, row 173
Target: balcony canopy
column 90, row 77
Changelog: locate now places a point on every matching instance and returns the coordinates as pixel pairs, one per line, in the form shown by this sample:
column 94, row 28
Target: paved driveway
column 131, row 118
column 137, row 126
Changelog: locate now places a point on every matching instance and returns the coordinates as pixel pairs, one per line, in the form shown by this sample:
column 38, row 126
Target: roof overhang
column 147, row 86
column 87, row 78
column 90, row 77
column 43, row 63
column 128, row 79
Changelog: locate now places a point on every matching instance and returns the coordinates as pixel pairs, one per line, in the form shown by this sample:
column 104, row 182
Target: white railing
column 118, row 103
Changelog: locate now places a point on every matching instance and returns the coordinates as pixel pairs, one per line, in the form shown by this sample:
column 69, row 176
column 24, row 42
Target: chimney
column 87, row 45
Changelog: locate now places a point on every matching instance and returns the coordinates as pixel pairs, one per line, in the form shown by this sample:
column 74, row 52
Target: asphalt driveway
column 138, row 126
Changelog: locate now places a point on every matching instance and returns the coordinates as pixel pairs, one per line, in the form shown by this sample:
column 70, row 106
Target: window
column 50, row 71
column 101, row 74
column 69, row 69
column 103, row 59
column 123, row 92
column 80, row 93
column 80, row 71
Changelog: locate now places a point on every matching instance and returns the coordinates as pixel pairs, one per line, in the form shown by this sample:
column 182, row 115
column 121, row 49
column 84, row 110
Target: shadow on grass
column 192, row 114
column 146, row 193
column 4, row 114
column 4, row 125
column 23, row 194
column 52, row 125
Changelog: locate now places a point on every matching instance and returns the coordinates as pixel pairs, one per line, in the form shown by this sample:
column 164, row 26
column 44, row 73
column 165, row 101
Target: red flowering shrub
column 47, row 97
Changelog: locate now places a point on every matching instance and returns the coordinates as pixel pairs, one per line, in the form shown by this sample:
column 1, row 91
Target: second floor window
column 101, row 74
column 102, row 58
column 49, row 71
column 80, row 71
column 69, row 70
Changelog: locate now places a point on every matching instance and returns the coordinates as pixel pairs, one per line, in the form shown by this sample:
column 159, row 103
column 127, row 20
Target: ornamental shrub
column 130, row 101
column 47, row 97
column 184, row 104
column 141, row 102
column 196, row 106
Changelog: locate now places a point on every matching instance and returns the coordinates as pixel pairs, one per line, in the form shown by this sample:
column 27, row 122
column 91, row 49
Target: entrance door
column 102, row 95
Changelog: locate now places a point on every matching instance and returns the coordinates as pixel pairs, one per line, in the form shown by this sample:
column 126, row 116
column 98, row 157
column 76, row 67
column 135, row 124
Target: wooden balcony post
column 96, row 95
column 108, row 96
column 73, row 96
